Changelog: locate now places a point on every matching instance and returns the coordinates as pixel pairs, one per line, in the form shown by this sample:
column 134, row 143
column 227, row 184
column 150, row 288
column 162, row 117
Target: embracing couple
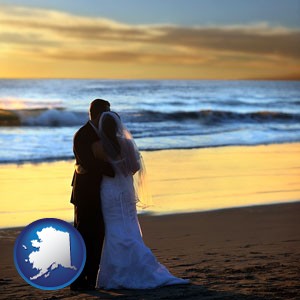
column 105, row 199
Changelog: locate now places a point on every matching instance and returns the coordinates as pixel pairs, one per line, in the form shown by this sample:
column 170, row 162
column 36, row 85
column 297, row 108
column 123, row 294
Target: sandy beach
column 240, row 253
column 250, row 252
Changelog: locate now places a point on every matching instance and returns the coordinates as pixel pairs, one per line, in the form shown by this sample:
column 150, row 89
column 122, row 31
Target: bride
column 126, row 262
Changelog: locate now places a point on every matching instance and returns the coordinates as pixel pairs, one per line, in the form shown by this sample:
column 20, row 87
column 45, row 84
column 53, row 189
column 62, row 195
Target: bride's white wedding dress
column 126, row 262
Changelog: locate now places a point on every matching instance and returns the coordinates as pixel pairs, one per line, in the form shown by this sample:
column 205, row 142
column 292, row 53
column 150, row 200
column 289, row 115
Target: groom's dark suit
column 86, row 199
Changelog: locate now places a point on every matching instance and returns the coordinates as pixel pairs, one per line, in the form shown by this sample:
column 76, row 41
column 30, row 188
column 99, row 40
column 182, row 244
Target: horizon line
column 287, row 78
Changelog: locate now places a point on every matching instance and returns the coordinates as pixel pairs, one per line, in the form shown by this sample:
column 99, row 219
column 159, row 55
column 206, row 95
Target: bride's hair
column 110, row 129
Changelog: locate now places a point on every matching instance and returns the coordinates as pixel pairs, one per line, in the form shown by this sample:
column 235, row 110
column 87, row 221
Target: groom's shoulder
column 83, row 130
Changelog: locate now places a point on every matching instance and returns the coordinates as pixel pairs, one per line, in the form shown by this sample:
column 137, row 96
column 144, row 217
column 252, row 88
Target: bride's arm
column 133, row 157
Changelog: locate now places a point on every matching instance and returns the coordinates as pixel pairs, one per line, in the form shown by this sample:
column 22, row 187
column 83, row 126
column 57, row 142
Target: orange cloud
column 56, row 36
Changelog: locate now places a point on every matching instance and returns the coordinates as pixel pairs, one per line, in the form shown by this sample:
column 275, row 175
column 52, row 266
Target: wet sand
column 237, row 253
column 180, row 181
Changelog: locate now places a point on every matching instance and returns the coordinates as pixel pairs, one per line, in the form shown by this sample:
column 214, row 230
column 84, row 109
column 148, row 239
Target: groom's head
column 97, row 107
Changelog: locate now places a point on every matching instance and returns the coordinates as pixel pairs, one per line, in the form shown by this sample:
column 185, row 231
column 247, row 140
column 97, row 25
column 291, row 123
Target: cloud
column 58, row 24
column 235, row 39
column 59, row 35
column 127, row 56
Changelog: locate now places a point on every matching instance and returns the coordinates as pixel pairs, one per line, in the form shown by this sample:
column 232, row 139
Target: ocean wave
column 9, row 118
column 216, row 116
column 42, row 117
column 64, row 118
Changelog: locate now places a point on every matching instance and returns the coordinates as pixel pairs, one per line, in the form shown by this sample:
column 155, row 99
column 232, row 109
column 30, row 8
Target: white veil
column 121, row 148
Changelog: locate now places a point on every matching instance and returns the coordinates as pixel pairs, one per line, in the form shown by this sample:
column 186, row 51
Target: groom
column 85, row 196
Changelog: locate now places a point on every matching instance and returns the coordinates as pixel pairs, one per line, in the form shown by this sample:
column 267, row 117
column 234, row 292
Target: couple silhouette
column 105, row 198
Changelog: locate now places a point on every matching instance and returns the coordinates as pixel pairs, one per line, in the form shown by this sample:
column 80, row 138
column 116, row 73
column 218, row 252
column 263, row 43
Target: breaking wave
column 64, row 118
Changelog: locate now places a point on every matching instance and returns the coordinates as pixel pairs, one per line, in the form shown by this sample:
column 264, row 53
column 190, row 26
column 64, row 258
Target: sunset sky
column 157, row 39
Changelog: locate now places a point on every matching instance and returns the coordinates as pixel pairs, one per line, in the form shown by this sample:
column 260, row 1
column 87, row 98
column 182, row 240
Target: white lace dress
column 126, row 262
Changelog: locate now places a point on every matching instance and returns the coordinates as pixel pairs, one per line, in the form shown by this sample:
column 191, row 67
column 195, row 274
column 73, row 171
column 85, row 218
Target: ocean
column 38, row 118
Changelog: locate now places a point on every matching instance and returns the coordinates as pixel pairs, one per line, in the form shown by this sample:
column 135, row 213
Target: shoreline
column 182, row 214
column 68, row 159
column 249, row 253
column 205, row 179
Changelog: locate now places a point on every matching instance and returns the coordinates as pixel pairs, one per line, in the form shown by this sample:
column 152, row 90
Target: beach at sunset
column 207, row 146
column 209, row 92
column 232, row 253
